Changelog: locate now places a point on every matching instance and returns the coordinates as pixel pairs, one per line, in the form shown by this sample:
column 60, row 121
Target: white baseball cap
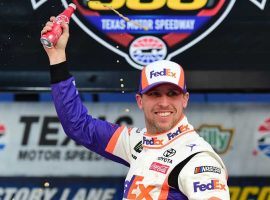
column 160, row 72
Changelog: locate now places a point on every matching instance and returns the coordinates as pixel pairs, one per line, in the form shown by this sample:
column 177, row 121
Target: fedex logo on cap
column 213, row 185
column 164, row 72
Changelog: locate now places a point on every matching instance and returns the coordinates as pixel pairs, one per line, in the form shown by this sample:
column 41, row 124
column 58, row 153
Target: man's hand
column 57, row 53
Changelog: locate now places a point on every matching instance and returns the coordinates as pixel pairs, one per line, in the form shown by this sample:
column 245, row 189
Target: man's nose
column 163, row 101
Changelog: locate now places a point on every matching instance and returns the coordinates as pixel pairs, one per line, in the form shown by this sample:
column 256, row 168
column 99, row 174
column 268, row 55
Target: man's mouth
column 163, row 114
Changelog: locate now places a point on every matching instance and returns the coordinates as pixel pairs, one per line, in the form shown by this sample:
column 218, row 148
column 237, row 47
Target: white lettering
column 101, row 194
column 110, row 24
column 36, row 194
column 65, row 194
column 49, row 193
column 22, row 194
column 1, row 192
column 27, row 194
column 174, row 24
column 80, row 195
column 108, row 194
column 9, row 193
column 39, row 155
column 95, row 194
column 142, row 22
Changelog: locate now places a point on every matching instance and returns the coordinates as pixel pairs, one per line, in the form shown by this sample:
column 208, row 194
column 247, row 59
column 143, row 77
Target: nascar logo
column 203, row 169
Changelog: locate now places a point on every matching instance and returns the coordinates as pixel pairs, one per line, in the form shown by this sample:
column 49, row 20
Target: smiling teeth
column 164, row 114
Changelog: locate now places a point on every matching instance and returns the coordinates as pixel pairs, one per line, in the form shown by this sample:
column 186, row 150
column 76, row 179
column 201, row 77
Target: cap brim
column 160, row 83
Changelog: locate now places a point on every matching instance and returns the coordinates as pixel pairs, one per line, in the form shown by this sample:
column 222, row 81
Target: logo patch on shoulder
column 138, row 148
column 203, row 169
column 213, row 185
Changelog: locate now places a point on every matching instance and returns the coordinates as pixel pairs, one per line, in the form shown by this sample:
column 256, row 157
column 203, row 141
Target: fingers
column 65, row 27
column 52, row 18
column 48, row 26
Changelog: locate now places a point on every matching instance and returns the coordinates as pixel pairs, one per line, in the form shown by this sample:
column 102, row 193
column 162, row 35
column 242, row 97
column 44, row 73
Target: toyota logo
column 169, row 153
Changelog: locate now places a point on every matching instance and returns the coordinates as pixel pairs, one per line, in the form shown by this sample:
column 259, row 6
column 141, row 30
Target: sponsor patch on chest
column 166, row 160
column 158, row 167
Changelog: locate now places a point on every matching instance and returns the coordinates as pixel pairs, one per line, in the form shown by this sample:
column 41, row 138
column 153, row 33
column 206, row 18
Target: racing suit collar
column 162, row 139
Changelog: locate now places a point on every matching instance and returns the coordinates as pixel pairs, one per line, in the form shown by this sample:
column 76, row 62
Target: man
column 168, row 159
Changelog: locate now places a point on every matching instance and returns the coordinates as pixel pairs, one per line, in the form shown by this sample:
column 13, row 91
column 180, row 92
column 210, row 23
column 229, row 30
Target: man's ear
column 185, row 99
column 139, row 100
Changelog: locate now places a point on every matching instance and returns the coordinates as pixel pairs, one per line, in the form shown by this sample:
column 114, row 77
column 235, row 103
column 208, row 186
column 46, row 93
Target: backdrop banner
column 33, row 143
column 211, row 39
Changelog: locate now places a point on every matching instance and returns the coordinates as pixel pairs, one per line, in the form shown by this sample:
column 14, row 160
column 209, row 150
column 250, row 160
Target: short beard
column 155, row 128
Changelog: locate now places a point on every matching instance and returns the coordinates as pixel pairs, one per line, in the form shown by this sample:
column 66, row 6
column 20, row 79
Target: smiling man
column 162, row 95
column 167, row 159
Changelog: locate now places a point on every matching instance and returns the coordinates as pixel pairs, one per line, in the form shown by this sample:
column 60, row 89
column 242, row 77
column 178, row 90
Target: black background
column 234, row 57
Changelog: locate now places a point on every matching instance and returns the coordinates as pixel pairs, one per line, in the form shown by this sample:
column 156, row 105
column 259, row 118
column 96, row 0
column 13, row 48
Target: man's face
column 163, row 107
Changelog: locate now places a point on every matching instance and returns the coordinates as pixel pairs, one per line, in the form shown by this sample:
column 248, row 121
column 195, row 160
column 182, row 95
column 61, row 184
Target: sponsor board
column 218, row 137
column 89, row 188
column 146, row 31
column 252, row 188
column 250, row 192
column 61, row 188
column 34, row 139
column 263, row 138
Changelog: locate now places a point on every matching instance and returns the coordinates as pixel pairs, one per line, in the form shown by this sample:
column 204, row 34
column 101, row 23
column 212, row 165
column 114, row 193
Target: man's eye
column 153, row 93
column 173, row 93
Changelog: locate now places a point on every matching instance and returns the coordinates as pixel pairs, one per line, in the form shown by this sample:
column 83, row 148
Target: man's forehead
column 165, row 86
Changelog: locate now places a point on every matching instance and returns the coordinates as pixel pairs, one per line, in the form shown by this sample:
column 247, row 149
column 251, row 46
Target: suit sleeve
column 97, row 135
column 204, row 177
